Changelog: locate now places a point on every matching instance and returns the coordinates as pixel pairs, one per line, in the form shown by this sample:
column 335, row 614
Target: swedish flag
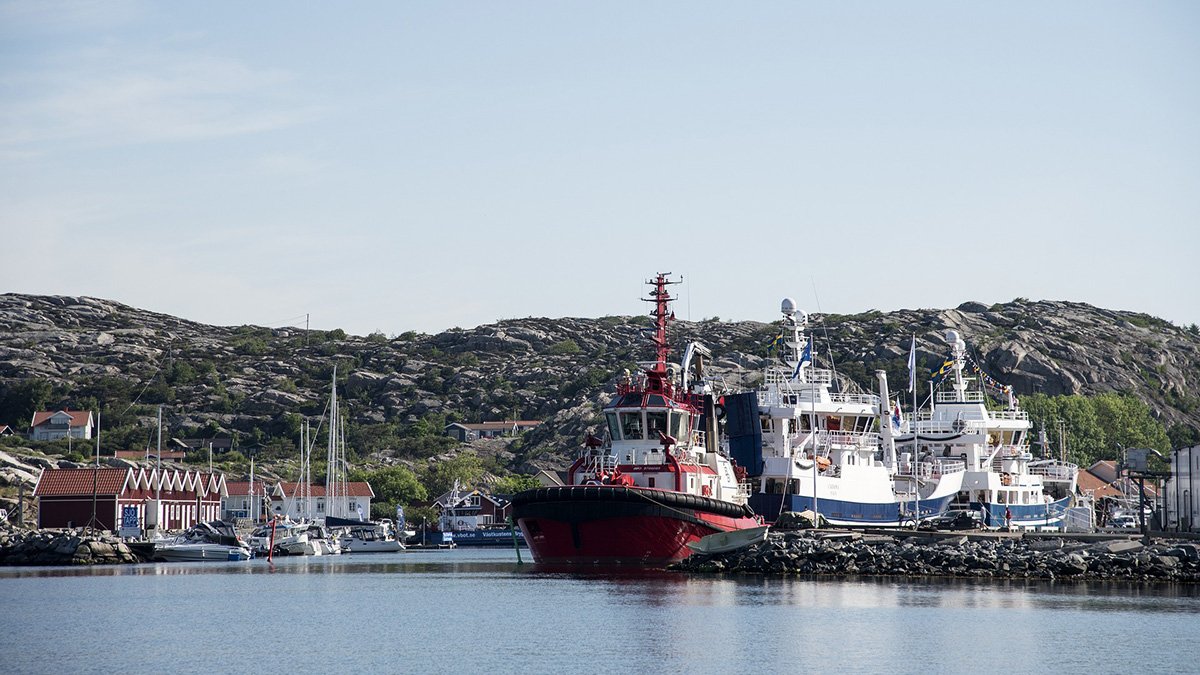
column 775, row 343
column 943, row 371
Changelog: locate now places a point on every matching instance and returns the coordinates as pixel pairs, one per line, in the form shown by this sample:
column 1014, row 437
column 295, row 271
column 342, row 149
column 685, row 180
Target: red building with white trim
column 65, row 496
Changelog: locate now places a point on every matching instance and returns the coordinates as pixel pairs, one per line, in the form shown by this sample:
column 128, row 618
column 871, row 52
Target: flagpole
column 912, row 387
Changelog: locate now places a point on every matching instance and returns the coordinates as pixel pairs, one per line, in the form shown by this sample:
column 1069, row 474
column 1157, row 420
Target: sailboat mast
column 331, row 454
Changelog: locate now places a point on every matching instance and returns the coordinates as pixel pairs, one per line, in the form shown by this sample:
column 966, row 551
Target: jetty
column 991, row 555
column 65, row 547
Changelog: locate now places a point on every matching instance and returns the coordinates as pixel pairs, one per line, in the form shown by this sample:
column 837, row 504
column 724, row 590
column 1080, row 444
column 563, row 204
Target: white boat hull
column 200, row 553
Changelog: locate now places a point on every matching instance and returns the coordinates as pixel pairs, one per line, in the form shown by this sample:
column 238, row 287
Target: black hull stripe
column 616, row 493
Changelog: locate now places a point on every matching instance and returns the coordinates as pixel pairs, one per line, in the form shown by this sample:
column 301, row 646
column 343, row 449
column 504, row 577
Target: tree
column 1183, row 436
column 439, row 476
column 393, row 485
column 19, row 401
column 514, row 483
column 1096, row 427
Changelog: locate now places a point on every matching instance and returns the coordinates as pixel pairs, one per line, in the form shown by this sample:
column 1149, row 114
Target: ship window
column 650, row 481
column 766, row 425
column 655, row 400
column 631, row 425
column 680, row 424
column 656, row 422
column 614, row 429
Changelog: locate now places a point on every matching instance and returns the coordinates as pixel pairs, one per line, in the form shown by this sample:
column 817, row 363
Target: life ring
column 1005, row 479
column 959, row 425
column 706, row 490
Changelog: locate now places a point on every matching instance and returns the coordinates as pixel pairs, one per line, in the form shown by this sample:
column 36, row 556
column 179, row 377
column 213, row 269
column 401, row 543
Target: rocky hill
column 91, row 353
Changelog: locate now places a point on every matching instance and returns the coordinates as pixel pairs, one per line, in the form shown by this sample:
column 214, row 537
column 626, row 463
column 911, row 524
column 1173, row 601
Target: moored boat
column 809, row 441
column 656, row 481
column 365, row 536
column 203, row 542
column 1003, row 480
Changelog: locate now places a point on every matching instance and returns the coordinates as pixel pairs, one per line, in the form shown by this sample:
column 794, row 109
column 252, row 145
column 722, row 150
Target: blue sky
column 417, row 166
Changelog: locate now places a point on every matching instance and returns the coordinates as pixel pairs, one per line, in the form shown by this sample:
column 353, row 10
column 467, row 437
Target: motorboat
column 215, row 541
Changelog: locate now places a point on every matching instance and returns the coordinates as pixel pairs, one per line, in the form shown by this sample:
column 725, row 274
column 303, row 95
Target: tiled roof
column 241, row 488
column 75, row 482
column 1105, row 469
column 1089, row 481
column 352, row 489
column 79, row 418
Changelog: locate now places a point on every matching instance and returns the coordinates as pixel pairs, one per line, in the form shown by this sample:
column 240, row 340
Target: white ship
column 805, row 445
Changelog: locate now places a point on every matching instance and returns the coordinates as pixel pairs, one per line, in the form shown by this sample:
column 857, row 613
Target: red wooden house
column 66, row 496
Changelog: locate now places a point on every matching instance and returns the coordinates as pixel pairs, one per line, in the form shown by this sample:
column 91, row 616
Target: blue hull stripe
column 839, row 512
column 1024, row 514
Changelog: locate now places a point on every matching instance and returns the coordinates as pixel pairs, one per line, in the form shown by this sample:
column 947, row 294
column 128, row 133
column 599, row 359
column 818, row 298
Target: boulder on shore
column 812, row 552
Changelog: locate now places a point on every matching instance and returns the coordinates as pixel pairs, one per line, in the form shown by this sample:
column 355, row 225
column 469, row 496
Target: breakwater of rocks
column 855, row 554
column 63, row 547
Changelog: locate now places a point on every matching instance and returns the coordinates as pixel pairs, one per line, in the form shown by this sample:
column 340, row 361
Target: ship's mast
column 657, row 380
column 958, row 350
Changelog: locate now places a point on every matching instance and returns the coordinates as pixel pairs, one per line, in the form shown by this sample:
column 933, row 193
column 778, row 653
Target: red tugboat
column 654, row 484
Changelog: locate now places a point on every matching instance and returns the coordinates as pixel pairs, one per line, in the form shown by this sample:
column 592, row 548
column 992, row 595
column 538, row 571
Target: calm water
column 478, row 611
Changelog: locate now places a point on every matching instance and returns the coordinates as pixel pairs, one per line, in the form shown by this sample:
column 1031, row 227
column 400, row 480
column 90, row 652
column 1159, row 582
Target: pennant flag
column 912, row 365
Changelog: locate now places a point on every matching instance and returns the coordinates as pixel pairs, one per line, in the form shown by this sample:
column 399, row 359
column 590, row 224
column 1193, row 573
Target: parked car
column 1126, row 521
column 954, row 519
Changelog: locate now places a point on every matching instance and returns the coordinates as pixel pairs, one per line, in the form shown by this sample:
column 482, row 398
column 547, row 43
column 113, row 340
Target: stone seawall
column 63, row 547
column 856, row 554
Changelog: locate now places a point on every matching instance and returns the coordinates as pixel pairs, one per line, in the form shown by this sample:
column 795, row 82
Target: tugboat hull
column 611, row 525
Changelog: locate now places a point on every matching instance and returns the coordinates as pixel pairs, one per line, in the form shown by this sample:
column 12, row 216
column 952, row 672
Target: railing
column 942, row 467
column 927, row 425
column 929, row 470
column 783, row 376
column 953, row 397
column 1011, row 415
column 1054, row 470
column 833, row 439
column 595, row 463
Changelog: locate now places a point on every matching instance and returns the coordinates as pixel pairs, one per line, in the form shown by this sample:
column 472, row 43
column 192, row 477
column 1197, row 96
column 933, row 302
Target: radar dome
column 788, row 306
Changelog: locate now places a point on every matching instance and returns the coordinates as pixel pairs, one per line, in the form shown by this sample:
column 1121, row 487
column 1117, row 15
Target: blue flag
column 805, row 357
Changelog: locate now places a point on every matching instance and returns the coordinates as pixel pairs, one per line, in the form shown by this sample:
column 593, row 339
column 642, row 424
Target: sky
column 395, row 166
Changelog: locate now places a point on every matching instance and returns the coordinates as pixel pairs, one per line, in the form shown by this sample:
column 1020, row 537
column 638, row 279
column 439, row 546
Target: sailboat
column 312, row 537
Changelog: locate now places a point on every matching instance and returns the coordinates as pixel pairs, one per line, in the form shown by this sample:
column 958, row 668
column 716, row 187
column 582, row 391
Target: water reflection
column 483, row 612
column 661, row 588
